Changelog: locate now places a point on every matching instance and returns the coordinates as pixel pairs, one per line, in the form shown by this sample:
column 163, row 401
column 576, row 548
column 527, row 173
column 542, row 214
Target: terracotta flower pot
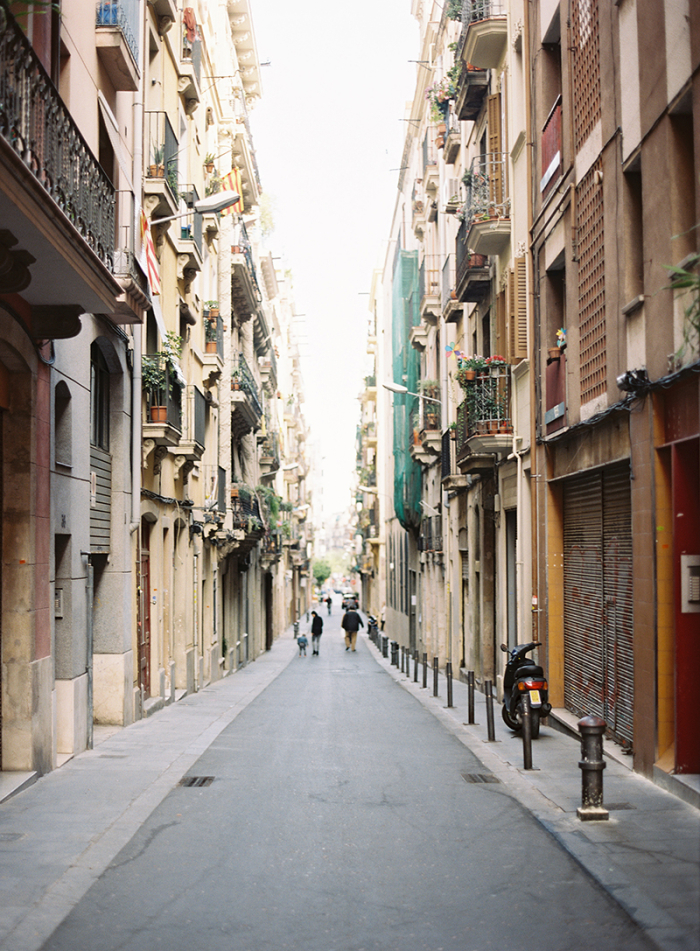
column 554, row 353
column 159, row 414
column 469, row 375
column 210, row 346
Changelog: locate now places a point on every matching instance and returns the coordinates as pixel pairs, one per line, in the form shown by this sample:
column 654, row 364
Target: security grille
column 591, row 287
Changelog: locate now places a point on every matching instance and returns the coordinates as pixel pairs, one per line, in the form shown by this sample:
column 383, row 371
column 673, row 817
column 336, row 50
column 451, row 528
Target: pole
column 592, row 765
column 527, row 731
column 489, row 711
column 448, row 674
column 470, row 696
column 435, row 676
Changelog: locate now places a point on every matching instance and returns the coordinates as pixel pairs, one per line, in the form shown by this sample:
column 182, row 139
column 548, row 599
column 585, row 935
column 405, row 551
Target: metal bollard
column 403, row 658
column 527, row 731
column 296, row 630
column 448, row 675
column 470, row 696
column 425, row 670
column 491, row 732
column 395, row 653
column 385, row 647
column 415, row 667
column 592, row 765
column 435, row 676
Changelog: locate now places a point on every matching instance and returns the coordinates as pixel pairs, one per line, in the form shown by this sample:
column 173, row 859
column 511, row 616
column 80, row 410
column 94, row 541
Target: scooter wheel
column 508, row 720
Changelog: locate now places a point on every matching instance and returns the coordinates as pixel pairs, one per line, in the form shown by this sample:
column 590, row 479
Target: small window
column 63, row 430
column 99, row 399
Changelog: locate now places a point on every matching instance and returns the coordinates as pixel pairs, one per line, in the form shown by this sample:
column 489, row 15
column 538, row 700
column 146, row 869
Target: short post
column 592, row 765
column 403, row 658
column 385, row 647
column 527, row 731
column 435, row 676
column 425, row 670
column 448, row 675
column 415, row 667
column 470, row 696
column 491, row 732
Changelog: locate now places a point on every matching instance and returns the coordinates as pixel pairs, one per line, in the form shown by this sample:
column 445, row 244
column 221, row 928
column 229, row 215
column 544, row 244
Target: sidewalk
column 646, row 856
column 58, row 835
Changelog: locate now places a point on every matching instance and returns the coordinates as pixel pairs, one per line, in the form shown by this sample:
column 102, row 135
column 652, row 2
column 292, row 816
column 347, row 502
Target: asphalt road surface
column 339, row 819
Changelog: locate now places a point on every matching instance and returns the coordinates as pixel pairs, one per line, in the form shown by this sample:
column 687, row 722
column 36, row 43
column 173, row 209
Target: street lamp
column 404, row 391
column 205, row 206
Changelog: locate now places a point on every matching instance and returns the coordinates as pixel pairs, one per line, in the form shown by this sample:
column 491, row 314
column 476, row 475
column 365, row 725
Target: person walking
column 302, row 641
column 329, row 602
column 351, row 624
column 316, row 631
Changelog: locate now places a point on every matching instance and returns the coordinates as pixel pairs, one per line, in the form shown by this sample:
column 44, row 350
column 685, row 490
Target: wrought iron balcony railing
column 39, row 128
column 162, row 149
column 487, row 188
column 242, row 376
column 486, row 408
column 124, row 14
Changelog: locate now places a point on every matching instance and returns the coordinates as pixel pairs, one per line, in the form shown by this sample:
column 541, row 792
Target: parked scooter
column 522, row 676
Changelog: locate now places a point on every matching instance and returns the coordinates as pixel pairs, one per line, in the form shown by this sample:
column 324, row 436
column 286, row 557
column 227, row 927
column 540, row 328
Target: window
column 62, row 425
column 99, row 399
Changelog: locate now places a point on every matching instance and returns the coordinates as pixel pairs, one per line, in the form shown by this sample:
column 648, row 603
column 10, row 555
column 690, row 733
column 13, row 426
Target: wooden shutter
column 516, row 349
column 501, row 347
column 495, row 172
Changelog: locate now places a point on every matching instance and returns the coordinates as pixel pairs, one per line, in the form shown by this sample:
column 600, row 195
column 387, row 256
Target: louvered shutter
column 501, row 325
column 517, row 312
column 494, row 139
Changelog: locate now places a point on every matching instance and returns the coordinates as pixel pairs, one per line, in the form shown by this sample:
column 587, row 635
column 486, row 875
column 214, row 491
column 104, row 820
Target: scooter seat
column 531, row 670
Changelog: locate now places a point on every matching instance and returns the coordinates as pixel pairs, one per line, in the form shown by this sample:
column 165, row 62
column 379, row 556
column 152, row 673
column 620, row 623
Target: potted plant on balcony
column 468, row 369
column 157, row 168
column 211, row 334
column 158, row 376
column 495, row 361
column 212, row 306
column 209, row 163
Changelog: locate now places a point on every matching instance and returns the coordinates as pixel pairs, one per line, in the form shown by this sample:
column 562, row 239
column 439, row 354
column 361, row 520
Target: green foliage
column 267, row 222
column 454, row 9
column 322, row 570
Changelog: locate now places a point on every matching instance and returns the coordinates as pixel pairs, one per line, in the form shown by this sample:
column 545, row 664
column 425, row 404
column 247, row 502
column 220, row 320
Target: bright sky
column 329, row 135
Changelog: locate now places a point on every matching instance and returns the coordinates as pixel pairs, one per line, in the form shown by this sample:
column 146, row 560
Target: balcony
column 418, row 209
column 268, row 372
column 418, row 337
column 247, row 163
column 487, row 208
column 369, row 394
column 551, row 150
column 57, row 207
column 189, row 240
column 246, row 409
column 472, row 88
column 484, row 429
column 452, row 480
column 117, row 44
column 135, row 298
column 429, row 288
column 248, row 525
column 192, row 442
column 431, row 175
column 245, row 291
column 430, row 537
column 163, row 426
column 473, row 275
column 190, row 68
column 451, row 306
column 166, row 14
column 271, row 548
column 160, row 182
column 484, row 32
column 269, row 459
column 453, row 137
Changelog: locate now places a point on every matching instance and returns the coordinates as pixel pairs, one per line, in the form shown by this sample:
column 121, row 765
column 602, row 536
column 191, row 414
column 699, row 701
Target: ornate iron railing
column 39, row 128
column 486, row 408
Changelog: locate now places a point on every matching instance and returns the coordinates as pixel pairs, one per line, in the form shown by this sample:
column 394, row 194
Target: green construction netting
column 406, row 370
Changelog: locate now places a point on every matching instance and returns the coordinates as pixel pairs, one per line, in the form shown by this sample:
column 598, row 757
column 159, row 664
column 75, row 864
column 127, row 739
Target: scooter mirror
column 504, row 647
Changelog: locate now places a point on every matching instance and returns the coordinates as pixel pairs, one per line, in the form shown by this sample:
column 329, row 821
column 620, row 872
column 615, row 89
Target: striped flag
column 232, row 183
column 151, row 259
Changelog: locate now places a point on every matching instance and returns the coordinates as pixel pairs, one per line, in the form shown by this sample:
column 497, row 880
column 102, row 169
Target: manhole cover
column 480, row 778
column 196, row 781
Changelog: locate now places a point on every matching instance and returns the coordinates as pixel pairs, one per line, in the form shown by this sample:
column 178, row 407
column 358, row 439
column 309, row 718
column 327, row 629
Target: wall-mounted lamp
column 404, row 391
column 205, row 206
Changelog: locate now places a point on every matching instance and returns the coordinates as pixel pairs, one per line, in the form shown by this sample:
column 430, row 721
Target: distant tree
column 322, row 570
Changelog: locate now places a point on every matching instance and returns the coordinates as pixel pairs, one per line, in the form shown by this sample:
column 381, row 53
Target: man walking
column 316, row 631
column 351, row 624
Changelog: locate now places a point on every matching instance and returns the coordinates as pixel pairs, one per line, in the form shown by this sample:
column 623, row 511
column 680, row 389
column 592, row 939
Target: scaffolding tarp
column 406, row 370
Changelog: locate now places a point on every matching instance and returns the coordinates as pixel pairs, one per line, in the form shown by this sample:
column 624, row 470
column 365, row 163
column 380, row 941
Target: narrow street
column 338, row 818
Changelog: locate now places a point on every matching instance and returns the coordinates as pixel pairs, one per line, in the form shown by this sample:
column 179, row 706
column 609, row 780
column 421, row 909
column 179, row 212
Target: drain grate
column 196, row 781
column 480, row 778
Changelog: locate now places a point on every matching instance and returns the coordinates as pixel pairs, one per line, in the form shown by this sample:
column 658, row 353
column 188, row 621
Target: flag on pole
column 232, row 183
column 151, row 259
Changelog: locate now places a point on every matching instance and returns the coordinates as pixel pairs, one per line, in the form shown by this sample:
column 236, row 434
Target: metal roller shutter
column 598, row 654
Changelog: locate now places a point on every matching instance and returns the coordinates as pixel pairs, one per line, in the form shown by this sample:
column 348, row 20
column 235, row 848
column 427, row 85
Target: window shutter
column 501, row 325
column 517, row 312
column 494, row 139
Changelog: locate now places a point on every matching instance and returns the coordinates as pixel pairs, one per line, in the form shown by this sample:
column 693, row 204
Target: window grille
column 591, row 287
column 586, row 68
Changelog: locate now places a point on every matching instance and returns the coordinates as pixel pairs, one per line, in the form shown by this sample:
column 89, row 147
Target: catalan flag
column 232, row 183
column 151, row 259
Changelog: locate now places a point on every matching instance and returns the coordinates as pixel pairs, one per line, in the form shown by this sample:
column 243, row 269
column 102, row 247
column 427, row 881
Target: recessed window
column 99, row 399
